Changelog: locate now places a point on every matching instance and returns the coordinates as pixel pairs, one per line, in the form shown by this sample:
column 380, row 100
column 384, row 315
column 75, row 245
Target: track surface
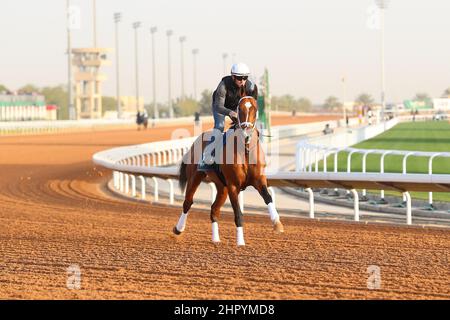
column 54, row 213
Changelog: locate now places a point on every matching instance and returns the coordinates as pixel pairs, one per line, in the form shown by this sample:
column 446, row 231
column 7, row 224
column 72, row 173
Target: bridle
column 246, row 123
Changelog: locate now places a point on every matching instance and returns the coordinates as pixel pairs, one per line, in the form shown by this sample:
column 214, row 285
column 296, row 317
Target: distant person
column 142, row 119
column 197, row 118
column 369, row 116
column 327, row 129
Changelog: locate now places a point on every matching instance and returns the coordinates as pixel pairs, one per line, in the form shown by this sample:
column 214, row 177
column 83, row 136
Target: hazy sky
column 306, row 45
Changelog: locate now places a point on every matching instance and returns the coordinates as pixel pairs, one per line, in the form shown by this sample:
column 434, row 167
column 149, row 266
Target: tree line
column 57, row 95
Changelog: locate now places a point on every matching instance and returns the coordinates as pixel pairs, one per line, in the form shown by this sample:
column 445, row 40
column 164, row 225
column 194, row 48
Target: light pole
column 95, row 22
column 155, row 108
column 224, row 57
column 194, row 53
column 117, row 18
column 182, row 40
column 136, row 25
column 72, row 115
column 344, row 97
column 169, row 33
column 382, row 4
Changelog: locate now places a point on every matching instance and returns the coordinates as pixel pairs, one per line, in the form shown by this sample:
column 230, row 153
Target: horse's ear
column 255, row 93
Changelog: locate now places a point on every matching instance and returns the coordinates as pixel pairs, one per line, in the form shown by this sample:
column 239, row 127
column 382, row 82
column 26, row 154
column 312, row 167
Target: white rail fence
column 313, row 153
column 139, row 164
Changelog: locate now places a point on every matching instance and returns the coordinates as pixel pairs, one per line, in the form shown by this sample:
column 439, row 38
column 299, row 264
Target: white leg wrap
column 182, row 222
column 273, row 213
column 240, row 236
column 215, row 232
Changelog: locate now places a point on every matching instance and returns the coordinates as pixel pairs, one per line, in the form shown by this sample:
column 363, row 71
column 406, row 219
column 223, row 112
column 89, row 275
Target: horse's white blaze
column 215, row 232
column 273, row 213
column 248, row 104
column 240, row 236
column 181, row 225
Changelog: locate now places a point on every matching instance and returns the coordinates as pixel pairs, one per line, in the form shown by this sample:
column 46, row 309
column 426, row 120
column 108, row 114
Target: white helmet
column 240, row 69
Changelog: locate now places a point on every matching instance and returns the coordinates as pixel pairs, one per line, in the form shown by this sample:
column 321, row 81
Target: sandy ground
column 55, row 212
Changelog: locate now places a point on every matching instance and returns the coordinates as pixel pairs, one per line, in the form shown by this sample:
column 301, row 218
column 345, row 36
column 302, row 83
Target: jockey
column 225, row 101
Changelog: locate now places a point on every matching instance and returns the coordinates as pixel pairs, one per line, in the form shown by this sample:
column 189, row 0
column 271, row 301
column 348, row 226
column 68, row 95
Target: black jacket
column 227, row 95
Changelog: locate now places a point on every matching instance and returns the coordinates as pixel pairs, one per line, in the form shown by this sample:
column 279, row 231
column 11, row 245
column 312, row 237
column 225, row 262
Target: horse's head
column 247, row 111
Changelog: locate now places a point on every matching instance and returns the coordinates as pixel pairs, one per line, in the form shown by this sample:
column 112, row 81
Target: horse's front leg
column 233, row 193
column 274, row 216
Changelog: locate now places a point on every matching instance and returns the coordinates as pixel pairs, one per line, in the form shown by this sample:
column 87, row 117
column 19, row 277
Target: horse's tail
column 182, row 176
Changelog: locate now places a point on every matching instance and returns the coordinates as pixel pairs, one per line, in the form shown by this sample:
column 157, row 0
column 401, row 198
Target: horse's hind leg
column 221, row 197
column 233, row 192
column 274, row 216
column 191, row 188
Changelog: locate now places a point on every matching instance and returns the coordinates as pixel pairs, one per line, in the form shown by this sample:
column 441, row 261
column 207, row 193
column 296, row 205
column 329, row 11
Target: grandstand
column 25, row 108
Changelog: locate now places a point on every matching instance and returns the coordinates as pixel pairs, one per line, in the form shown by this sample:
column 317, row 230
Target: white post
column 116, row 180
column 349, row 164
column 382, row 169
column 142, row 187
column 405, row 158
column 127, row 184
column 356, row 206
column 316, row 159
column 171, row 191
column 430, row 172
column 170, row 152
column 311, row 202
column 298, row 158
column 155, row 189
column 121, row 181
column 159, row 158
column 133, row 185
column 364, row 168
column 349, row 161
column 408, row 208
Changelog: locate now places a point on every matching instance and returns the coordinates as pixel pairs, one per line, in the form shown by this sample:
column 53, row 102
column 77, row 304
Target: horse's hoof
column 278, row 227
column 175, row 230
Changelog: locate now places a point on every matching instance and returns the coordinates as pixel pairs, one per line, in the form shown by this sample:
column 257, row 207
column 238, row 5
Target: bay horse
column 240, row 164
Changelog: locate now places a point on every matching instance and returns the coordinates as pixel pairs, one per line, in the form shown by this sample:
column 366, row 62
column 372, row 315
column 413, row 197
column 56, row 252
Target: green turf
column 432, row 136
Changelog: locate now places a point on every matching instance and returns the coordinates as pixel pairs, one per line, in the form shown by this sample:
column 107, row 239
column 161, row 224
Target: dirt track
column 54, row 213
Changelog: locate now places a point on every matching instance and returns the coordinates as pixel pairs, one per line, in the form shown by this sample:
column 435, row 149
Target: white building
column 25, row 108
column 441, row 104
